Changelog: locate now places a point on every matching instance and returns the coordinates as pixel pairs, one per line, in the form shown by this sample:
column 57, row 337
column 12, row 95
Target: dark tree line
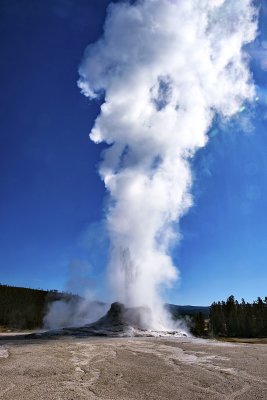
column 199, row 325
column 24, row 308
column 235, row 319
column 226, row 318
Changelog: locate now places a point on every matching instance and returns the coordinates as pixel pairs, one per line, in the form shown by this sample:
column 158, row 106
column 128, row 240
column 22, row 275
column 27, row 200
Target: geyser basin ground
column 128, row 369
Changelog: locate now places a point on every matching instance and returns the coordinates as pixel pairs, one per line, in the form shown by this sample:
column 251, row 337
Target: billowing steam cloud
column 164, row 69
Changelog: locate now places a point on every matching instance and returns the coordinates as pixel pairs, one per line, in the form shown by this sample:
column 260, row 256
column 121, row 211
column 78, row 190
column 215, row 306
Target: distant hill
column 181, row 311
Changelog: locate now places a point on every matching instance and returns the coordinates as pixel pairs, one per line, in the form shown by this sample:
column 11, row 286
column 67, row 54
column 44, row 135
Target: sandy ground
column 75, row 368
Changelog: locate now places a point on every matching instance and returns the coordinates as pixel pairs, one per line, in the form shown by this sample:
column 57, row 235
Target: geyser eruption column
column 164, row 68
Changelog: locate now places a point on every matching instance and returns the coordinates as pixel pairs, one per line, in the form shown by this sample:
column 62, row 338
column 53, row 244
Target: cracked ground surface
column 75, row 368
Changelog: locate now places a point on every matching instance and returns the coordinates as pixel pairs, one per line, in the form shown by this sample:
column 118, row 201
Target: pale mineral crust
column 131, row 368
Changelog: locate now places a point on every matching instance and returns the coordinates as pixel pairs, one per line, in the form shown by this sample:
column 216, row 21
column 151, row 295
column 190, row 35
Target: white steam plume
column 165, row 68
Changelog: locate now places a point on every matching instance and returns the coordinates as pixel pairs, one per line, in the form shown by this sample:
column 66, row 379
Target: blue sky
column 52, row 199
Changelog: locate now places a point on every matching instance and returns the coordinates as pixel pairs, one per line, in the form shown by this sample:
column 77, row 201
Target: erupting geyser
column 163, row 69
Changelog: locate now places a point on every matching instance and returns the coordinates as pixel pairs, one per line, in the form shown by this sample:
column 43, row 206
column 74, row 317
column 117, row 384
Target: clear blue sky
column 52, row 198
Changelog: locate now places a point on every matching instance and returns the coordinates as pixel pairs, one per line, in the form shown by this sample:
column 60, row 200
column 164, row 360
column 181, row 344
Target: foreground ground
column 127, row 369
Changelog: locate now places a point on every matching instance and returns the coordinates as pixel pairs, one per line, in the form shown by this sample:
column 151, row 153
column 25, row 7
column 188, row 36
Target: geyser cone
column 121, row 317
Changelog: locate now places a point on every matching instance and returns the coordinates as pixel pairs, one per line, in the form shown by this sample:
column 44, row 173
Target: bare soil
column 244, row 340
column 128, row 369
